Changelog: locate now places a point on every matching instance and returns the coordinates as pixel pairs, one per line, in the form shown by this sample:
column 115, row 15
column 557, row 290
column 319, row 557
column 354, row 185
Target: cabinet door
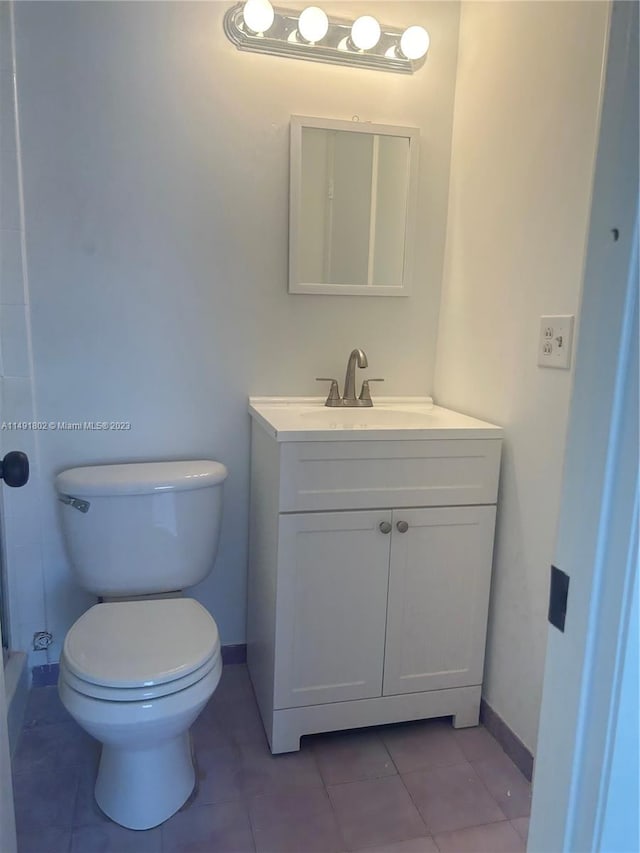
column 438, row 598
column 333, row 575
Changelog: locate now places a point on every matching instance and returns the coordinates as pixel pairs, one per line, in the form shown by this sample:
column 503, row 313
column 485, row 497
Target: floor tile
column 86, row 811
column 219, row 775
column 239, row 720
column 429, row 743
column 451, row 798
column 208, row 732
column 53, row 746
column 223, row 828
column 295, row 822
column 490, row 838
column 375, row 812
column 45, row 798
column 414, row 845
column 477, row 744
column 351, row 757
column 264, row 773
column 44, row 708
column 521, row 826
column 112, row 838
column 462, row 784
column 235, row 684
column 510, row 789
column 49, row 839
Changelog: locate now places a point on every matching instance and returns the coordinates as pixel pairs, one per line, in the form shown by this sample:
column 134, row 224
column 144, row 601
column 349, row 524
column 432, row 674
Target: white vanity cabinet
column 369, row 576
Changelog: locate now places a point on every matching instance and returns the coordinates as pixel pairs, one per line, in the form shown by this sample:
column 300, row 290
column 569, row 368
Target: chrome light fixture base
column 283, row 39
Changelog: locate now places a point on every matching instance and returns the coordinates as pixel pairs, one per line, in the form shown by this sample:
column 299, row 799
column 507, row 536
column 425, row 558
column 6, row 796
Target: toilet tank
column 143, row 527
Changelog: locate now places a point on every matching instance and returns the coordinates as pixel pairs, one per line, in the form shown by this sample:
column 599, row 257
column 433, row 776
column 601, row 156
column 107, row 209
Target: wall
column 524, row 140
column 155, row 159
column 22, row 575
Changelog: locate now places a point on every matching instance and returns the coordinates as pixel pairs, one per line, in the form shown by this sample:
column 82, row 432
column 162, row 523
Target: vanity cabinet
column 368, row 597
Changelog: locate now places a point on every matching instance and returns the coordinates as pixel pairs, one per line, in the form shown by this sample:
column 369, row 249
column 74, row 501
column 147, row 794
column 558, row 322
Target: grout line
column 251, row 828
column 416, row 806
column 335, row 817
column 476, row 826
column 390, row 755
column 486, row 787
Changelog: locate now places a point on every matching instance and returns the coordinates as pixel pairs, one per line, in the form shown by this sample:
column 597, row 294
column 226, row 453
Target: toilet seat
column 135, row 694
column 135, row 650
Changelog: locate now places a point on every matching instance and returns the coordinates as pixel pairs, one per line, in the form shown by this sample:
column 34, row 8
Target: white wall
column 22, row 578
column 155, row 159
column 525, row 133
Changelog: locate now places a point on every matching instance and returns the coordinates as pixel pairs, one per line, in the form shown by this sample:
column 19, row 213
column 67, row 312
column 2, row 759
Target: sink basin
column 362, row 418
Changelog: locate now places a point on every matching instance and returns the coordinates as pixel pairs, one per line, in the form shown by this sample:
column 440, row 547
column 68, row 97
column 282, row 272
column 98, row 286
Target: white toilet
column 137, row 669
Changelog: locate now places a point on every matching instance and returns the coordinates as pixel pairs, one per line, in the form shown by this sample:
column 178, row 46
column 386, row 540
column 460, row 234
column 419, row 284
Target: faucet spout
column 359, row 358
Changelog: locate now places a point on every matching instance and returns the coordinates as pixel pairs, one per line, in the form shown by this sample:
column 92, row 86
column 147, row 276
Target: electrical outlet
column 555, row 341
column 42, row 640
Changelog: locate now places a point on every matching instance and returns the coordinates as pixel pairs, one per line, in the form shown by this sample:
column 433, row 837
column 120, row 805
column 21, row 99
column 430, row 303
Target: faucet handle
column 333, row 399
column 365, row 393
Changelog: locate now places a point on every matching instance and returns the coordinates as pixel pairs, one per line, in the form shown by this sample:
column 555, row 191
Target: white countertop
column 390, row 418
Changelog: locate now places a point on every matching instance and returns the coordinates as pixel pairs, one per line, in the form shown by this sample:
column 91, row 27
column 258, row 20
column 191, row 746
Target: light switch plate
column 555, row 341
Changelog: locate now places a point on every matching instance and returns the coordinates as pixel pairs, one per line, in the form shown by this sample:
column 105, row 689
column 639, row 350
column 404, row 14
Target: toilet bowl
column 136, row 670
column 142, row 704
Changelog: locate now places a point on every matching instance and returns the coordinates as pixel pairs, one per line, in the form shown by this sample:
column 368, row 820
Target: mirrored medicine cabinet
column 353, row 198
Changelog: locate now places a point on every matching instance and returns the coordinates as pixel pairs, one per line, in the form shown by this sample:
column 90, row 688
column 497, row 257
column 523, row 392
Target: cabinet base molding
column 289, row 724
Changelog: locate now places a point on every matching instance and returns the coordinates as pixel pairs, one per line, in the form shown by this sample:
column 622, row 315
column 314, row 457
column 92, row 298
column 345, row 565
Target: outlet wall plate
column 555, row 341
column 42, row 640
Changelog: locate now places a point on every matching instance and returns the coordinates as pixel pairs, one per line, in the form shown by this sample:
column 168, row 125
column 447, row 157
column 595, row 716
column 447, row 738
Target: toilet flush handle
column 76, row 503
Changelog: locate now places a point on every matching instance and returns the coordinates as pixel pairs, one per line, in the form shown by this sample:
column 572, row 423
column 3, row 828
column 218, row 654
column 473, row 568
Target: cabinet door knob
column 384, row 527
column 402, row 526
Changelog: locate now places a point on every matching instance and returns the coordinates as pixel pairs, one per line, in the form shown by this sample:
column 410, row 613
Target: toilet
column 137, row 669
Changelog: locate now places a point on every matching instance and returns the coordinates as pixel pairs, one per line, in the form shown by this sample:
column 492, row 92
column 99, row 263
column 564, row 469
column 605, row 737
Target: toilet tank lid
column 141, row 478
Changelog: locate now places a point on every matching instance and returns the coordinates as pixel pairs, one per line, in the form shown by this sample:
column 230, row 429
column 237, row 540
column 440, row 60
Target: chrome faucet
column 356, row 358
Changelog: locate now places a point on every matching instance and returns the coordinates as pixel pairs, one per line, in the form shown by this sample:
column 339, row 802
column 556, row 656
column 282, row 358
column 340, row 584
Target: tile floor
column 411, row 788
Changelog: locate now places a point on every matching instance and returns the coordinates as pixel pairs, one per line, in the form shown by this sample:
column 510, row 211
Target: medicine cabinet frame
column 396, row 288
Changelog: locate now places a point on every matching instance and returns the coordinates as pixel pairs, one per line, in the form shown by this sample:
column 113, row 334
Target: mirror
column 352, row 207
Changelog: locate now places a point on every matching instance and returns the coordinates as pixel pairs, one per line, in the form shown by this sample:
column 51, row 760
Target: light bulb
column 365, row 32
column 414, row 42
column 313, row 24
column 258, row 15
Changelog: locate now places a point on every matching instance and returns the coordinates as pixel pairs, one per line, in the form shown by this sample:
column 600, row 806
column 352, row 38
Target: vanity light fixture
column 365, row 32
column 414, row 42
column 257, row 26
column 313, row 24
column 258, row 16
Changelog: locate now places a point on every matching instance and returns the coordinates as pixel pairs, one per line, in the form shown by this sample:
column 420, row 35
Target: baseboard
column 234, row 654
column 508, row 739
column 47, row 674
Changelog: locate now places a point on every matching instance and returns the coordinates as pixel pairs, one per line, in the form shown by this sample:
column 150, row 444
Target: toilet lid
column 140, row 643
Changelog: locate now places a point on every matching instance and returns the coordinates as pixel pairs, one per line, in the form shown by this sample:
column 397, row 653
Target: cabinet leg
column 467, row 716
column 284, row 738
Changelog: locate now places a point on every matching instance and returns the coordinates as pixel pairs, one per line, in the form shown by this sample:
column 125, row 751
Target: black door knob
column 14, row 468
